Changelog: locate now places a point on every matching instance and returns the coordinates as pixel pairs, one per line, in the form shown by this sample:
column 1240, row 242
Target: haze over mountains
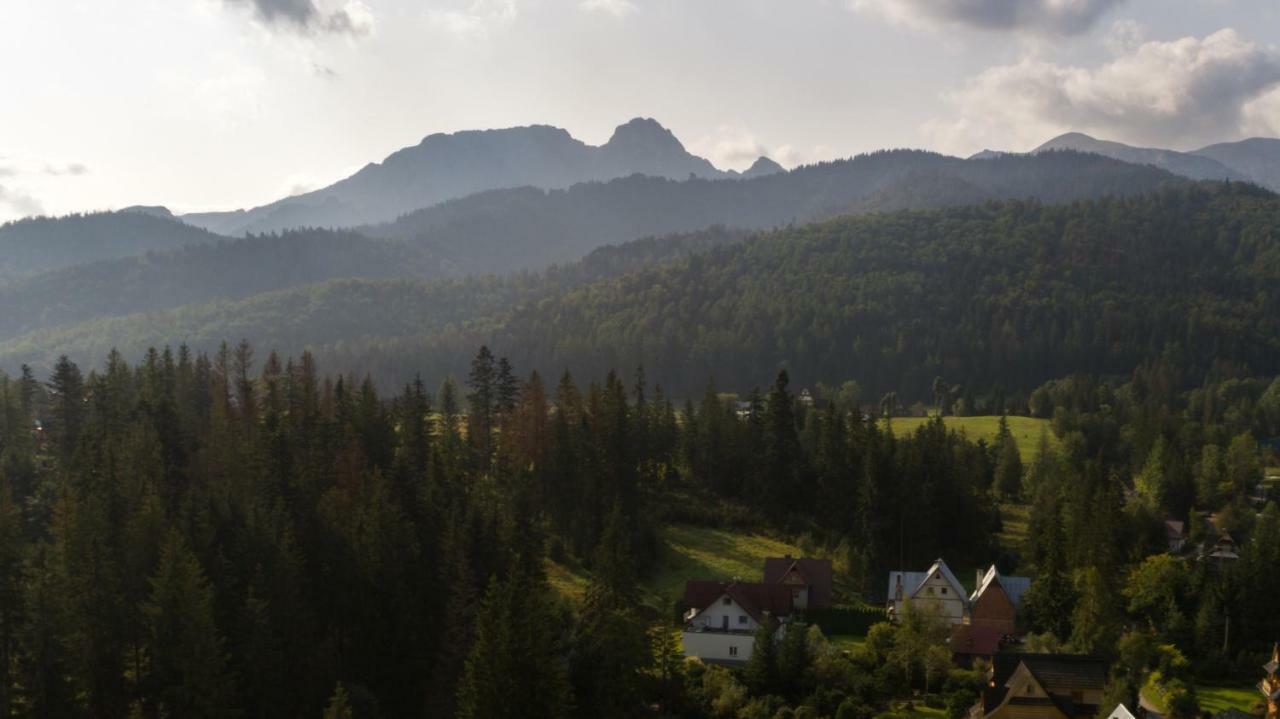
column 420, row 226
column 447, row 166
column 1255, row 160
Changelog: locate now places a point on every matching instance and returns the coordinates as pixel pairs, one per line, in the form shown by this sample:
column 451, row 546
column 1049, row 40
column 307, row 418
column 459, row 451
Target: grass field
column 688, row 552
column 1214, row 699
column 1026, row 430
column 1014, row 517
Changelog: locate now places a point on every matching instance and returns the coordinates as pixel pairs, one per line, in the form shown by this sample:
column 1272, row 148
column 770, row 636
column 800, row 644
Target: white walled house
column 723, row 617
column 936, row 591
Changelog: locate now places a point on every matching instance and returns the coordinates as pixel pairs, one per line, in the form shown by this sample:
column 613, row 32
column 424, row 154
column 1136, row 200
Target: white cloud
column 474, row 19
column 1180, row 93
column 616, row 8
column 306, row 16
column 1050, row 17
column 16, row 204
column 734, row 147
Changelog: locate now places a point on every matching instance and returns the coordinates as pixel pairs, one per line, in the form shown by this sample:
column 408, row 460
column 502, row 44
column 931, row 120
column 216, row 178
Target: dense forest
column 1010, row 294
column 221, row 536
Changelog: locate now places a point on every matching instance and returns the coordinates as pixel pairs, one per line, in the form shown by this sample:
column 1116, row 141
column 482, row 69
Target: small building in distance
column 935, row 590
column 992, row 618
column 810, row 579
column 723, row 617
column 1042, row 686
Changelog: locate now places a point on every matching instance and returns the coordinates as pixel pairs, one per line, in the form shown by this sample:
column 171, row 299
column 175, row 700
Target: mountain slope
column 1007, row 294
column 198, row 274
column 41, row 244
column 444, row 167
column 1193, row 166
column 1257, row 157
column 527, row 229
column 508, row 230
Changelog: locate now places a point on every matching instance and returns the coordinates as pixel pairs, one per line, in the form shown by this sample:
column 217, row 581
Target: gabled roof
column 1014, row 587
column 816, row 574
column 913, row 581
column 1121, row 712
column 755, row 599
column 1058, row 674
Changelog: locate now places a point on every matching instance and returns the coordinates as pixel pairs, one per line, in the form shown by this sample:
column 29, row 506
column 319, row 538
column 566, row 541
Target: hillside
column 198, row 274
column 1189, row 165
column 1007, row 293
column 42, row 244
column 528, row 229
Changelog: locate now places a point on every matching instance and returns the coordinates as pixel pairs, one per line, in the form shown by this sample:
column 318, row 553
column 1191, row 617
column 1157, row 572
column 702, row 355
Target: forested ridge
column 1006, row 294
column 61, row 271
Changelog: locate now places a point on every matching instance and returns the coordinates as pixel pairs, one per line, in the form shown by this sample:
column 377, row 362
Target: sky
column 219, row 104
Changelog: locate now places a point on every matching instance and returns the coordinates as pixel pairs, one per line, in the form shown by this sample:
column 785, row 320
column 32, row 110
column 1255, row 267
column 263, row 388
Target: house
column 1042, row 686
column 991, row 619
column 809, row 579
column 936, row 590
column 996, row 601
column 1270, row 684
column 723, row 617
column 1223, row 551
column 1175, row 533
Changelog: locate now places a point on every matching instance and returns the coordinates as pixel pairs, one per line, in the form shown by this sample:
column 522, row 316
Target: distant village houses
column 982, row 622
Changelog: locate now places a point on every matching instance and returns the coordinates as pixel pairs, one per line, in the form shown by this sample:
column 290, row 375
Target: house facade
column 723, row 617
column 935, row 591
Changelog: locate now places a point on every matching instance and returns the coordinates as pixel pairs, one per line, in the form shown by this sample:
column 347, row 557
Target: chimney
column 977, row 579
column 897, row 592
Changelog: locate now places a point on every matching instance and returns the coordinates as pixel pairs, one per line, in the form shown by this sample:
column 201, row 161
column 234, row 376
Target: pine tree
column 761, row 673
column 483, row 404
column 339, row 706
column 188, row 674
column 67, row 409
column 12, row 580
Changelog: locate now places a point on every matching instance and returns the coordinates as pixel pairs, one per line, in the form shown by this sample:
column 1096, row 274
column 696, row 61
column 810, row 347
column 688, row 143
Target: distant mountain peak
column 643, row 132
column 763, row 166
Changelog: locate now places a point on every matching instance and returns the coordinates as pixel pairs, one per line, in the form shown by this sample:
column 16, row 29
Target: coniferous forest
column 244, row 535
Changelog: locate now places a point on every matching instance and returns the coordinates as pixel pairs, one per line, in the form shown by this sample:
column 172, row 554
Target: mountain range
column 1255, row 160
column 448, row 166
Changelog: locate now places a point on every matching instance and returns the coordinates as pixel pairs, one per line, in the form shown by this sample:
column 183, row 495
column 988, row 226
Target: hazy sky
column 216, row 104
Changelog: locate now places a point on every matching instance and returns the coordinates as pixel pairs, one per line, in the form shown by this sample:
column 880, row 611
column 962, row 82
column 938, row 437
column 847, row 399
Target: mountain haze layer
column 1254, row 160
column 448, row 166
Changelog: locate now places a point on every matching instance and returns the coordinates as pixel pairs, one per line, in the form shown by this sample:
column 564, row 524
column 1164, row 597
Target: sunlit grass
column 1026, row 430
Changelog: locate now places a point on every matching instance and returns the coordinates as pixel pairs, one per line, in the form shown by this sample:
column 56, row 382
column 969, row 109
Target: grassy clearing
column 1214, row 699
column 1015, row 518
column 847, row 642
column 1026, row 430
column 688, row 552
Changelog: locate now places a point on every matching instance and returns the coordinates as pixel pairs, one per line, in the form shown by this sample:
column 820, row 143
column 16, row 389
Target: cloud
column 307, row 17
column 616, row 8
column 736, row 147
column 16, row 204
column 1180, row 93
column 74, row 169
column 474, row 19
column 1049, row 17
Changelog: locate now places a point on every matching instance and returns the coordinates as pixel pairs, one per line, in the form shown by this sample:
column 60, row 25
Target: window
column 733, row 651
column 742, row 619
column 727, row 601
column 944, row 590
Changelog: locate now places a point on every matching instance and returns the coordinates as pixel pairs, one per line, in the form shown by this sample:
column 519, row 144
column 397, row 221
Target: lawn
column 1026, row 430
column 1214, row 699
column 1014, row 518
column 689, row 552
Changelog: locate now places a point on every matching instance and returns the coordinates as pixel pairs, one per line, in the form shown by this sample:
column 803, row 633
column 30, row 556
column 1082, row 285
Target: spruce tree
column 188, row 674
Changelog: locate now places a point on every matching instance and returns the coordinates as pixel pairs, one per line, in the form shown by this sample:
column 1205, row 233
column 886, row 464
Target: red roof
column 755, row 599
column 816, row 574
